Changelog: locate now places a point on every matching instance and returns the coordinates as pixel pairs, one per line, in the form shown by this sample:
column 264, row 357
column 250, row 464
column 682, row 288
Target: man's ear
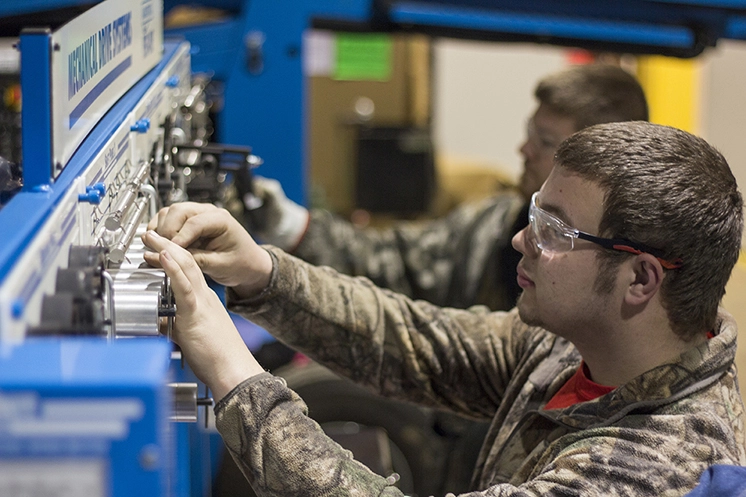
column 648, row 278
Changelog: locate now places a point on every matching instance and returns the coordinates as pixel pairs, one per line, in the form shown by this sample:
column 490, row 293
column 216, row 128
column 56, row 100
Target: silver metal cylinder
column 137, row 280
column 134, row 258
column 136, row 313
column 185, row 402
column 137, row 300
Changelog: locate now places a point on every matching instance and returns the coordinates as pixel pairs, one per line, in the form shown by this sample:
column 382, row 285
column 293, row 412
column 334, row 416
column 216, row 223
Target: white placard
column 54, row 478
column 98, row 57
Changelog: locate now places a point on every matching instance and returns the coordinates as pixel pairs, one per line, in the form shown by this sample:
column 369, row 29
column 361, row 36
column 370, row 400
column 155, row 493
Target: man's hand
column 202, row 328
column 219, row 244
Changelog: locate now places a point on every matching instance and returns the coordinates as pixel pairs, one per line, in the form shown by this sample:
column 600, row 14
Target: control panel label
column 33, row 426
column 98, row 57
column 53, row 478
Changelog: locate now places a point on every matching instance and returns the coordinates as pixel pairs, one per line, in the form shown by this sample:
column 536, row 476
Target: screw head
column 150, row 457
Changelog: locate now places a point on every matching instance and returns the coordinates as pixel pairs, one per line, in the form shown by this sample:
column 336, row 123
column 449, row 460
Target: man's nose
column 525, row 149
column 524, row 242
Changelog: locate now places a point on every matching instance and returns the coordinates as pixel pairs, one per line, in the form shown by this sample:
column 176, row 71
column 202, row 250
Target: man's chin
column 528, row 314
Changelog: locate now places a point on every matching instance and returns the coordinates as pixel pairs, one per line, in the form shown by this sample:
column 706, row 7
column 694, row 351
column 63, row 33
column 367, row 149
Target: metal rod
column 118, row 251
column 109, row 284
column 149, row 191
column 128, row 197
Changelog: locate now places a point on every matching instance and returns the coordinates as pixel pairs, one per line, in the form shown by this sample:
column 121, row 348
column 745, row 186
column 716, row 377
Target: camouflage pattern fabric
column 650, row 437
column 452, row 261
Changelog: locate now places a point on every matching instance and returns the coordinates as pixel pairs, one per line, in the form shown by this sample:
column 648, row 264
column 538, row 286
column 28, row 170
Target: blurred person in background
column 464, row 258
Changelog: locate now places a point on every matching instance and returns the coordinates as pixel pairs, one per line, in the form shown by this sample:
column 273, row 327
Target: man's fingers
column 153, row 223
column 158, row 220
column 180, row 256
column 209, row 224
column 152, row 258
column 173, row 222
column 180, row 282
column 170, row 220
column 204, row 259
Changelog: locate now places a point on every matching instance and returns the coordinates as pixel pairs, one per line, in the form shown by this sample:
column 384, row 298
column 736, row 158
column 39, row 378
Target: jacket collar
column 692, row 371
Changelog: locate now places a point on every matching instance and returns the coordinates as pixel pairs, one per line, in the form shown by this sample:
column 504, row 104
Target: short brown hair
column 672, row 191
column 594, row 94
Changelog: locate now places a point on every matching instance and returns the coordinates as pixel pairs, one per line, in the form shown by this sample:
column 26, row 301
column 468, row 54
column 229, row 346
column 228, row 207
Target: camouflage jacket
column 650, row 437
column 459, row 260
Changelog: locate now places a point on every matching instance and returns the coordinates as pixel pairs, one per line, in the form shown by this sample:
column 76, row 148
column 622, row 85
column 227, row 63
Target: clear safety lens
column 548, row 231
column 554, row 235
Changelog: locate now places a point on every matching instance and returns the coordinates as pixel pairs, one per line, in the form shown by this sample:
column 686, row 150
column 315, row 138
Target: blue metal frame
column 736, row 28
column 36, row 113
column 20, row 7
column 213, row 46
column 536, row 24
column 266, row 110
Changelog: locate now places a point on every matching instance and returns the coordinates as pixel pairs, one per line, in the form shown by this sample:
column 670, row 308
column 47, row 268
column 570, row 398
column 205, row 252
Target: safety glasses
column 554, row 235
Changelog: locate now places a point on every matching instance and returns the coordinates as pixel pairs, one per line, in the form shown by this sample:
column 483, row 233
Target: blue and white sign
column 98, row 56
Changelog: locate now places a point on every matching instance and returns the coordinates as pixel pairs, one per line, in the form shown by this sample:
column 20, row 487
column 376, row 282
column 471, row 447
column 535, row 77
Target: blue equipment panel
column 93, row 401
column 86, row 417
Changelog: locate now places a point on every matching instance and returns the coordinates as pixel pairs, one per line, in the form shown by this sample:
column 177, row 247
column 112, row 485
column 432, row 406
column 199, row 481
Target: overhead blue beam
column 543, row 25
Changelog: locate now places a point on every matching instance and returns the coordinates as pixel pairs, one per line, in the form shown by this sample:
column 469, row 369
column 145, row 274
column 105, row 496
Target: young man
column 466, row 257
column 614, row 375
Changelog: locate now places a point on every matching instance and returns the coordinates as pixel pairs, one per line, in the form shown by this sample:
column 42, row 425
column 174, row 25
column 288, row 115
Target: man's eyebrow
column 558, row 212
column 545, row 132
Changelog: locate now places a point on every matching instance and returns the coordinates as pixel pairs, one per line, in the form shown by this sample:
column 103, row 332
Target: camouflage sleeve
column 461, row 360
column 418, row 259
column 282, row 452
